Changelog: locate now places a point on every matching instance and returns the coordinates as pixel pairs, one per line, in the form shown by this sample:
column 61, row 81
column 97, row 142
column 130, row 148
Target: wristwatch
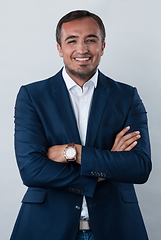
column 70, row 152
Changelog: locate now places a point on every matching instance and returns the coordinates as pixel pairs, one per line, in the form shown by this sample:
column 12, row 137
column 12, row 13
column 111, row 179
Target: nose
column 82, row 48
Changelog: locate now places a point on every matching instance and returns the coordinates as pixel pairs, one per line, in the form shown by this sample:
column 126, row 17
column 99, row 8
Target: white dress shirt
column 81, row 100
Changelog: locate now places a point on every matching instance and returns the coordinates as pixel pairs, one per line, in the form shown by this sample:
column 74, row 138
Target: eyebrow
column 92, row 36
column 71, row 37
column 89, row 36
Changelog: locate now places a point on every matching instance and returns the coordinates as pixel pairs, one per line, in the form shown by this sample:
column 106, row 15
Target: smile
column 82, row 59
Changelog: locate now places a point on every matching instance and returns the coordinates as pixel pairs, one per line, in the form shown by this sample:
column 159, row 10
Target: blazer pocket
column 34, row 196
column 129, row 196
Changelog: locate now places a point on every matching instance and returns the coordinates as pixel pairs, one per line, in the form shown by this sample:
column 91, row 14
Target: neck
column 80, row 79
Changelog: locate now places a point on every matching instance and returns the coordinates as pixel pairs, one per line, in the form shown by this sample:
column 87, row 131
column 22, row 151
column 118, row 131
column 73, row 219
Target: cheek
column 98, row 53
column 67, row 54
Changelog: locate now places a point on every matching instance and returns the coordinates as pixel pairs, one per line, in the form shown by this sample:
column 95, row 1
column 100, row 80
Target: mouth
column 83, row 60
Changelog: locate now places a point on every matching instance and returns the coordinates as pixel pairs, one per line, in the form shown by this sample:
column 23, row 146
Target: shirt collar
column 71, row 83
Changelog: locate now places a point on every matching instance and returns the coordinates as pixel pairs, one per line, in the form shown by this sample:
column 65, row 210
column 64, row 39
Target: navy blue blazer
column 51, row 206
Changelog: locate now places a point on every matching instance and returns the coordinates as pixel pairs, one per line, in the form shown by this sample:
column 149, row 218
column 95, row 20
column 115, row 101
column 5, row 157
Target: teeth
column 81, row 59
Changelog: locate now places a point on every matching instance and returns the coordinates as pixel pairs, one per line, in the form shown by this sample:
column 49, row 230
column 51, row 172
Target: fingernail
column 137, row 132
column 128, row 127
column 138, row 136
column 135, row 143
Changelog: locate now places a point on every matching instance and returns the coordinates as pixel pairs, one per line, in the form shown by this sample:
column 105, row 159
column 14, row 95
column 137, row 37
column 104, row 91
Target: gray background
column 28, row 53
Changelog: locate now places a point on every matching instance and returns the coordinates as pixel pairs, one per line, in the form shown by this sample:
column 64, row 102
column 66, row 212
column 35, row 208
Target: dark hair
column 77, row 15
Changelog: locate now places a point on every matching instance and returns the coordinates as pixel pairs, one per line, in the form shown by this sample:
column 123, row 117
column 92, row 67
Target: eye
column 92, row 40
column 72, row 41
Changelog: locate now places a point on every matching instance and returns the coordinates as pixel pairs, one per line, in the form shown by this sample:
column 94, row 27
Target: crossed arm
column 122, row 143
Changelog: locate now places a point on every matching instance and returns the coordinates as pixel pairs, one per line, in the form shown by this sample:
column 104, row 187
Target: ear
column 103, row 47
column 60, row 50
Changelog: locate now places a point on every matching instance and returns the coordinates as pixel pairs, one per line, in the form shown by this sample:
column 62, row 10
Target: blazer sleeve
column 127, row 166
column 31, row 145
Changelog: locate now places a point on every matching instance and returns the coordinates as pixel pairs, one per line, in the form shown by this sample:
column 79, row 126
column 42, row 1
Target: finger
column 128, row 142
column 101, row 179
column 121, row 134
column 129, row 148
column 129, row 136
column 122, row 142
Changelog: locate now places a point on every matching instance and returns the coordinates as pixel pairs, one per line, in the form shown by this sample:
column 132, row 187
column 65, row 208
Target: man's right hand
column 125, row 142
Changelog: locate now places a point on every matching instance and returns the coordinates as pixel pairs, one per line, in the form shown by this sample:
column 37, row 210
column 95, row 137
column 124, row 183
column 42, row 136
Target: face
column 81, row 48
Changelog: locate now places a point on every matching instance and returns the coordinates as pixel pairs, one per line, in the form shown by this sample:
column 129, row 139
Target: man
column 81, row 142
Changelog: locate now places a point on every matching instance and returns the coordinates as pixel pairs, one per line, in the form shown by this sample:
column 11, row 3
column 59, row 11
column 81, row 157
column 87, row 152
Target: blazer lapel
column 62, row 98
column 101, row 95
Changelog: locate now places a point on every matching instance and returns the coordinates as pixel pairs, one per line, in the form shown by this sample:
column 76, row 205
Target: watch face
column 70, row 153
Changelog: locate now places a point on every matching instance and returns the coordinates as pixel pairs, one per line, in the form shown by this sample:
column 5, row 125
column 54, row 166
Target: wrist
column 79, row 153
column 70, row 156
column 70, row 152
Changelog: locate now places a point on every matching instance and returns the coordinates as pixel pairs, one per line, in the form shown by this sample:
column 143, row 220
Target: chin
column 82, row 74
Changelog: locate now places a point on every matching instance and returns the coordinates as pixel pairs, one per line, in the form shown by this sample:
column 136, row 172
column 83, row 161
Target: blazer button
column 92, row 173
column 77, row 207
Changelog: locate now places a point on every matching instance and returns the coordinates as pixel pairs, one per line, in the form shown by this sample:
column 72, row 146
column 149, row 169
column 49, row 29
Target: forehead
column 80, row 27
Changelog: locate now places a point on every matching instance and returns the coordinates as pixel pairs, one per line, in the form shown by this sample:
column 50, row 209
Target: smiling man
column 81, row 142
column 81, row 48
